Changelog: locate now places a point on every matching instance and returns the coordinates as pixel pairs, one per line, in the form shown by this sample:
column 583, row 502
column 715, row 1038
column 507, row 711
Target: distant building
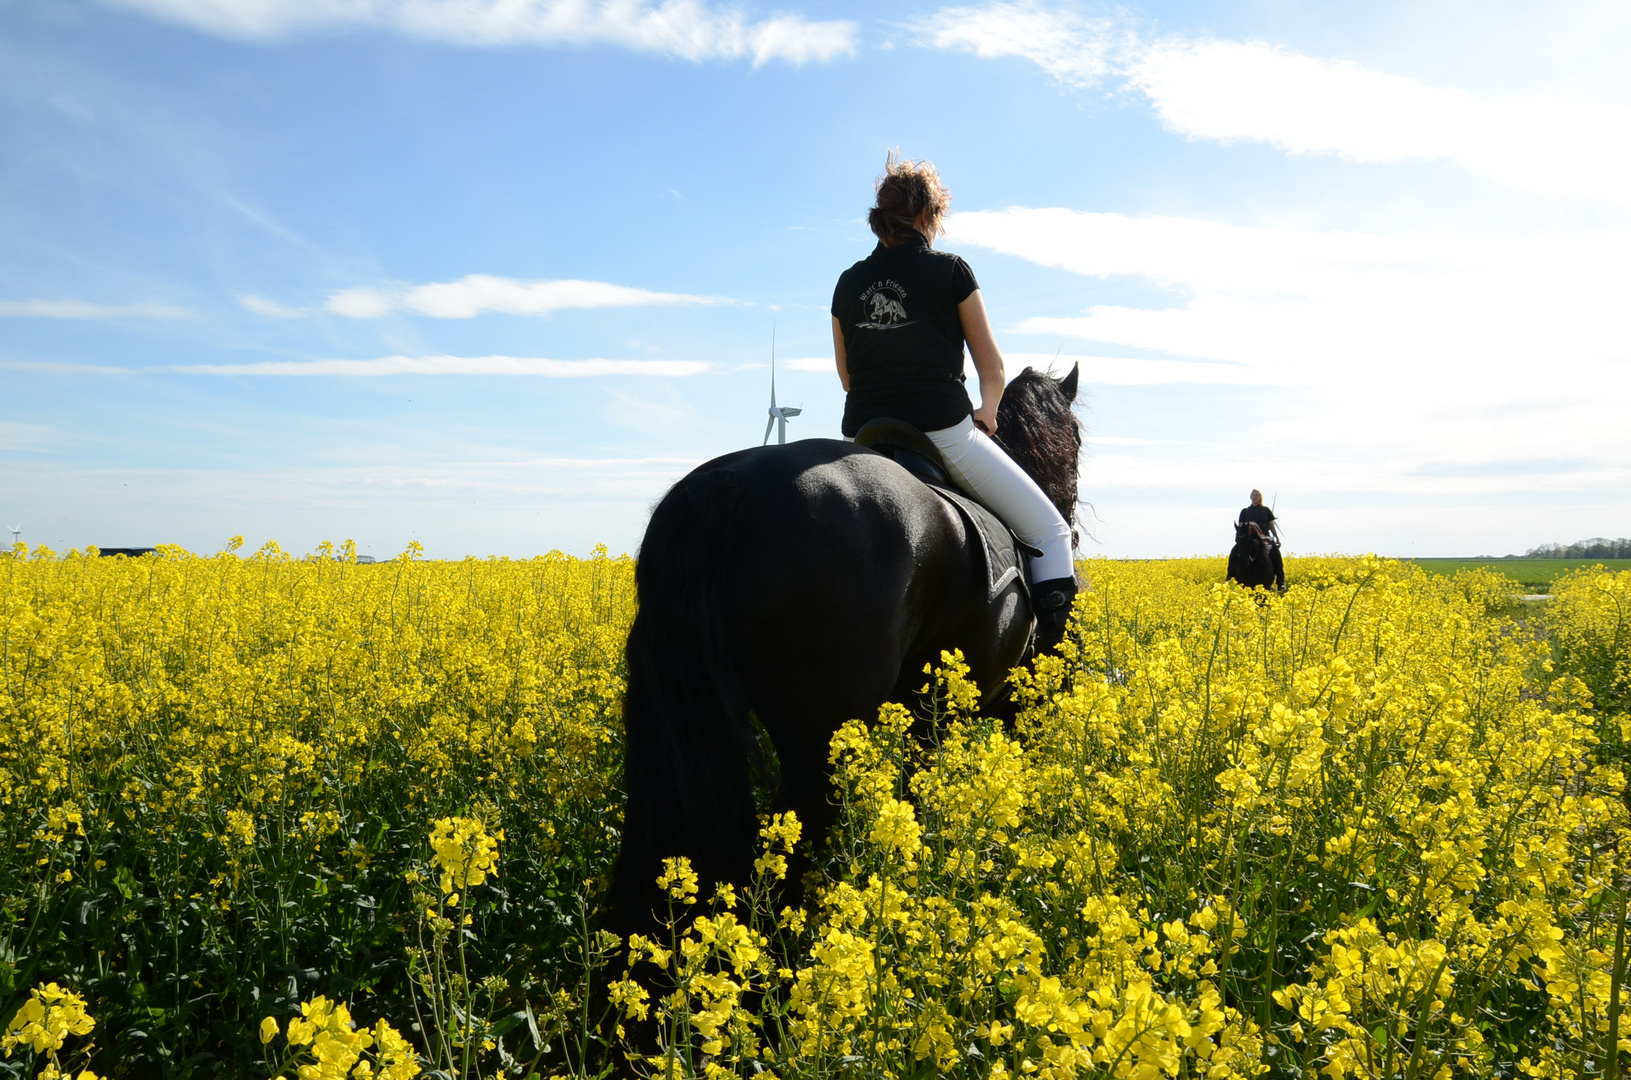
column 132, row 552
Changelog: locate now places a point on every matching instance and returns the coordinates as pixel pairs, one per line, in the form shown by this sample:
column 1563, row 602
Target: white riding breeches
column 981, row 468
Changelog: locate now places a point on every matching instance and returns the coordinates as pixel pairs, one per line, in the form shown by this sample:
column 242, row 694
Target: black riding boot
column 1051, row 600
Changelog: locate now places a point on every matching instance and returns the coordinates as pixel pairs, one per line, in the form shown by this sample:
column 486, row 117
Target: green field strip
column 1535, row 575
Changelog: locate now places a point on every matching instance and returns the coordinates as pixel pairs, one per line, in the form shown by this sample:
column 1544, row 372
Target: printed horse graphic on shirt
column 885, row 310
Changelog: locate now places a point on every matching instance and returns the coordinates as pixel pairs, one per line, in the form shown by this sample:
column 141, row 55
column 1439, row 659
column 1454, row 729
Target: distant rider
column 1264, row 519
column 900, row 318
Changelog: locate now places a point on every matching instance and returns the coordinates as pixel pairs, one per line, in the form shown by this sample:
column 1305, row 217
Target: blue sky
column 490, row 276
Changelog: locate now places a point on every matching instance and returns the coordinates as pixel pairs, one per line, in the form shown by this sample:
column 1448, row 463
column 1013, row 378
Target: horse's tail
column 690, row 747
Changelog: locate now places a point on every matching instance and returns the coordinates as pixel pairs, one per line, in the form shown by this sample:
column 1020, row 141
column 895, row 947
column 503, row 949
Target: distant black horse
column 803, row 586
column 1251, row 560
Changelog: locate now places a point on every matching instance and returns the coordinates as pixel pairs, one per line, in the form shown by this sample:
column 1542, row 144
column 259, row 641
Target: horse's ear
column 1067, row 385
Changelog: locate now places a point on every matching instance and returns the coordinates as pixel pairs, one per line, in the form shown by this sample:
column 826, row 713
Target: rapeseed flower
column 46, row 1019
column 1366, row 828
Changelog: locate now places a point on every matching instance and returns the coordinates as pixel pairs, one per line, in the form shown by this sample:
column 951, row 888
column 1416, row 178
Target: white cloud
column 1129, row 371
column 81, row 309
column 1072, row 48
column 1226, row 90
column 15, row 436
column 1385, row 476
column 454, row 365
column 1497, row 46
column 1251, row 90
column 822, row 364
column 471, row 296
column 260, row 305
column 1407, row 363
column 1295, row 305
column 689, row 29
column 66, row 369
column 1103, row 370
column 1455, row 377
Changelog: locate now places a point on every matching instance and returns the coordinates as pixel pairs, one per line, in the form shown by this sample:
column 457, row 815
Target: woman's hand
column 986, row 419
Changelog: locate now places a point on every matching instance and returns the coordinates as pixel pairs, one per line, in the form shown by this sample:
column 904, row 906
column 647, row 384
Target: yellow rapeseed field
column 299, row 816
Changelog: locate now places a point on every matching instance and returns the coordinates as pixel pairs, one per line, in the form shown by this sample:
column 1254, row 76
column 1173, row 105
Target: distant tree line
column 1595, row 548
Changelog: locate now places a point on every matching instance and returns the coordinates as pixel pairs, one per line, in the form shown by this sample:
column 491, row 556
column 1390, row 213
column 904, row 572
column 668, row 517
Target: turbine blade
column 768, row 425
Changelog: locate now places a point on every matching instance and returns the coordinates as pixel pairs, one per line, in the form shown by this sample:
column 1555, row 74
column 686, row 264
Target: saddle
column 1003, row 553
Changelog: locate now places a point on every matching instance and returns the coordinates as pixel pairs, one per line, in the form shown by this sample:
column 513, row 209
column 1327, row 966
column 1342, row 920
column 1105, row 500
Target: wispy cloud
column 83, row 309
column 1101, row 370
column 49, row 367
column 260, row 305
column 1396, row 475
column 479, row 293
column 1409, row 347
column 454, row 365
column 1133, row 371
column 15, row 436
column 1255, row 91
column 688, row 29
column 1118, row 440
column 1072, row 48
column 1301, row 304
column 1226, row 90
column 823, row 364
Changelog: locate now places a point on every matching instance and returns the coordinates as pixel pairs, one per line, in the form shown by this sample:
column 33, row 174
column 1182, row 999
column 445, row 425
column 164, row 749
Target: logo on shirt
column 884, row 306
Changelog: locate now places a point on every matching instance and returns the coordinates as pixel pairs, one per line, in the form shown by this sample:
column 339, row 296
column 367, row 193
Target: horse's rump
column 798, row 586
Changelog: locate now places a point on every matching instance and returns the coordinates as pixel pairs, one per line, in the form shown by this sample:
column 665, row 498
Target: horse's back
column 843, row 492
column 844, row 569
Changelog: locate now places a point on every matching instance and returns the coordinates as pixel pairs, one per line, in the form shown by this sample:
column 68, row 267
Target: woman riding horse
column 1255, row 560
column 786, row 589
column 910, row 367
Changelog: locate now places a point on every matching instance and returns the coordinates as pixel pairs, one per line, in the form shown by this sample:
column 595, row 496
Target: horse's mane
column 1040, row 431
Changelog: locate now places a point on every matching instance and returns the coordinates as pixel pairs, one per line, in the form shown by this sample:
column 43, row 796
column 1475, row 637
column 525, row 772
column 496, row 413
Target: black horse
column 801, row 586
column 1252, row 559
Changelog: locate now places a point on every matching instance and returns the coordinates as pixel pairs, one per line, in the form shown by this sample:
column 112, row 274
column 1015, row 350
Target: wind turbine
column 778, row 415
column 16, row 531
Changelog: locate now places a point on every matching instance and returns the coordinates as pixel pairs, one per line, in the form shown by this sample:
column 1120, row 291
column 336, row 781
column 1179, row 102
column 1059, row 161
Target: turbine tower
column 778, row 416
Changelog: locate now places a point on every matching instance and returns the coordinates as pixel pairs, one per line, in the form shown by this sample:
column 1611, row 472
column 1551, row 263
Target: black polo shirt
column 903, row 337
column 1260, row 514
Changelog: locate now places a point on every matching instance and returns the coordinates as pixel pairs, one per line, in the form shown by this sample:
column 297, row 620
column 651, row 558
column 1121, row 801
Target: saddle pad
column 1003, row 559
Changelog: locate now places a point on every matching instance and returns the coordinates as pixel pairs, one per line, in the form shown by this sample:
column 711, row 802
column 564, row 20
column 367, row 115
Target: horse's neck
column 1049, row 475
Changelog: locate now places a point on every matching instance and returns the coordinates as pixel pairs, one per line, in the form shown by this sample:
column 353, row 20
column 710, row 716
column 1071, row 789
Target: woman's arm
column 839, row 353
column 982, row 346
